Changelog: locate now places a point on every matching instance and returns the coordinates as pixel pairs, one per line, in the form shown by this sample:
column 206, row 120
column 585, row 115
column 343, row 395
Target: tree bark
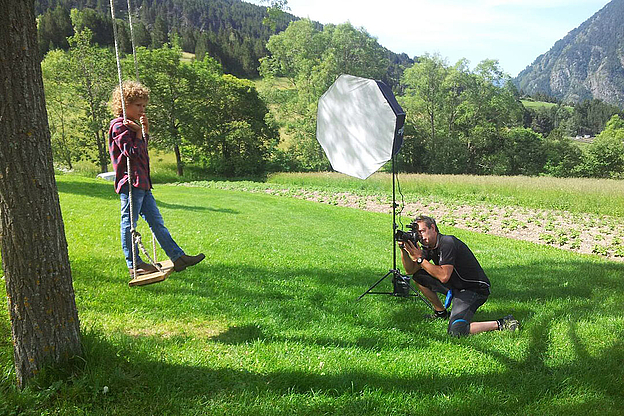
column 176, row 150
column 103, row 155
column 44, row 320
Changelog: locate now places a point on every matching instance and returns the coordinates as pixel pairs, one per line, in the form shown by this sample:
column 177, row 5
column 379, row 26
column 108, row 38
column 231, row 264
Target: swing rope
column 136, row 236
column 136, row 63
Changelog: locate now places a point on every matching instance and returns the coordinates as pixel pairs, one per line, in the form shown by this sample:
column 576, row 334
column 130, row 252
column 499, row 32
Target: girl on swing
column 125, row 140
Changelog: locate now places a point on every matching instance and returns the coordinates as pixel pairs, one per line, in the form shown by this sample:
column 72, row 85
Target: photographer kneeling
column 454, row 269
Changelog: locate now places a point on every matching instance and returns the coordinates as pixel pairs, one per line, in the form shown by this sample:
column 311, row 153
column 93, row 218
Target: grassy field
column 577, row 195
column 269, row 323
column 187, row 57
column 537, row 104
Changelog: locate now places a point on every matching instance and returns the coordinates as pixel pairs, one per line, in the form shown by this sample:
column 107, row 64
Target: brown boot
column 143, row 268
column 187, row 261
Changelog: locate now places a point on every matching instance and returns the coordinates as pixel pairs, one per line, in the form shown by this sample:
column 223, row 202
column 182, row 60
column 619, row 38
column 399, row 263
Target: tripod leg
column 421, row 297
column 376, row 283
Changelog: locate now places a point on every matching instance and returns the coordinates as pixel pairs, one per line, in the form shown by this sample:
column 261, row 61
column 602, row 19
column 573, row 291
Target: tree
column 237, row 140
column 94, row 70
column 605, row 155
column 311, row 59
column 425, row 96
column 201, row 46
column 543, row 120
column 524, row 150
column 42, row 307
column 68, row 142
column 563, row 158
column 459, row 117
column 99, row 24
column 591, row 116
column 53, row 29
column 275, row 12
column 160, row 32
column 141, row 36
column 162, row 72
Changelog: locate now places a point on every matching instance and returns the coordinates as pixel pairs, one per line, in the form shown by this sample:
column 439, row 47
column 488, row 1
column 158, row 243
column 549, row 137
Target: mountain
column 587, row 63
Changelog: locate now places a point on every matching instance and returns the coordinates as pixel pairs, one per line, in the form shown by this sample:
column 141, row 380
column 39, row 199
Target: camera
column 412, row 235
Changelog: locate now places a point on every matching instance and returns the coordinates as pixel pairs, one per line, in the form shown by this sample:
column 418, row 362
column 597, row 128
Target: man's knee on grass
column 459, row 328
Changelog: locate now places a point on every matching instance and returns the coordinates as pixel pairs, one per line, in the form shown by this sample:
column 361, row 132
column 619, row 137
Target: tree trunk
column 176, row 149
column 42, row 307
column 102, row 151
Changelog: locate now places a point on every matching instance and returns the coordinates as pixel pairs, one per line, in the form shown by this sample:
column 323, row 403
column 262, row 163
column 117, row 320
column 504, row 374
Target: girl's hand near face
column 145, row 123
column 134, row 127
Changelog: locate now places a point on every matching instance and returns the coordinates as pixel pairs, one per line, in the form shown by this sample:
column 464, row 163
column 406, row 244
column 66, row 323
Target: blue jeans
column 144, row 204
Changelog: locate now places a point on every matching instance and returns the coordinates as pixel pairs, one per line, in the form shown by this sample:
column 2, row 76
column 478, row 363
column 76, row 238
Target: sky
column 515, row 32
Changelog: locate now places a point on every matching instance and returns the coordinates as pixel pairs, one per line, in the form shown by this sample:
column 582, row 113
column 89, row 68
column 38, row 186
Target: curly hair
column 132, row 92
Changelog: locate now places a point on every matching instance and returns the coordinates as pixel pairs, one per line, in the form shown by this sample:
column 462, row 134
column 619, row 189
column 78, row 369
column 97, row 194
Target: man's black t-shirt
column 467, row 272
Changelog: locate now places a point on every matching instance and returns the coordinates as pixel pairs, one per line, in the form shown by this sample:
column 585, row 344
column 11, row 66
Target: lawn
column 537, row 104
column 269, row 322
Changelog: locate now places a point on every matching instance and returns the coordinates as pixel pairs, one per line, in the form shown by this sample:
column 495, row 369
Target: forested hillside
column 587, row 63
column 232, row 31
column 459, row 120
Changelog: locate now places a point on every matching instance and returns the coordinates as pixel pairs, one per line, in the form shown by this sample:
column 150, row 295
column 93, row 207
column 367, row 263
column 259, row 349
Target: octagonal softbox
column 359, row 125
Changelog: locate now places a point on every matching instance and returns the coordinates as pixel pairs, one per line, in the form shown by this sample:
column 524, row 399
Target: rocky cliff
column 587, row 63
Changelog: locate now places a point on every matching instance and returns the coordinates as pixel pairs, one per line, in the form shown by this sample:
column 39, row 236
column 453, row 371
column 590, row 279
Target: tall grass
column 578, row 195
column 268, row 324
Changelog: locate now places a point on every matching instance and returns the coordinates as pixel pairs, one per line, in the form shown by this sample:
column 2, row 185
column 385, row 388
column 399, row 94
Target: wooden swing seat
column 154, row 277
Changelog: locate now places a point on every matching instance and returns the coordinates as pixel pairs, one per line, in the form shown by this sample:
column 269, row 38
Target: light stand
column 359, row 125
column 400, row 282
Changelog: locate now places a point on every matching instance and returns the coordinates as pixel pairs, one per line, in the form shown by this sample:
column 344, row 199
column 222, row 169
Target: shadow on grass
column 583, row 284
column 236, row 335
column 298, row 297
column 132, row 373
column 548, row 280
column 195, row 208
column 105, row 190
column 129, row 367
column 96, row 189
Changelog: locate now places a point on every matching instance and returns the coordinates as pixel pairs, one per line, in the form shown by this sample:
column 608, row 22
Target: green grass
column 163, row 169
column 187, row 57
column 577, row 195
column 537, row 104
column 268, row 324
column 541, row 104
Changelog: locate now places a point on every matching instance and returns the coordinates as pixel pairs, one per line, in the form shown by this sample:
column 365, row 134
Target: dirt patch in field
column 561, row 229
column 581, row 233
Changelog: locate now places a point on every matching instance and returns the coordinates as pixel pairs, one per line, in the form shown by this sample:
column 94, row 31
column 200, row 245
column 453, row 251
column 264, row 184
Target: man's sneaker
column 438, row 315
column 187, row 261
column 508, row 323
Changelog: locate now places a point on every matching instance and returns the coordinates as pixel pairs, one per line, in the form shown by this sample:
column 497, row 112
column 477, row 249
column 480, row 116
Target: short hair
column 132, row 91
column 429, row 221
